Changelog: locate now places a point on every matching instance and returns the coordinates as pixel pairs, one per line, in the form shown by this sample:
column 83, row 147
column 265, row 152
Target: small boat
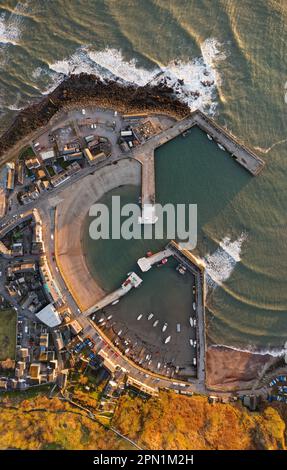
column 167, row 340
column 191, row 321
column 115, row 302
column 150, row 316
column 194, row 322
column 194, row 343
column 155, row 323
column 140, row 316
column 158, row 365
column 209, row 137
column 194, row 361
column 191, row 342
column 194, row 306
column 127, row 350
column 120, row 332
column 164, row 327
column 221, row 147
column 109, row 317
column 101, row 320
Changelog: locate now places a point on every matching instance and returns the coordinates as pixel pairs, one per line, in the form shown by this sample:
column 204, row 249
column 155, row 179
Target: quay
column 147, row 262
column 145, row 155
column 133, row 280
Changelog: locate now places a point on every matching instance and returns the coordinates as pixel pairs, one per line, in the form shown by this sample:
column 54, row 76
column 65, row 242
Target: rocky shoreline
column 89, row 89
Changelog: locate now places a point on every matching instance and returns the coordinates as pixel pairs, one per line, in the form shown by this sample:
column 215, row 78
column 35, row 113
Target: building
column 59, row 179
column 75, row 327
column 32, row 163
column 48, row 156
column 34, row 372
column 49, row 316
column 63, row 378
column 11, row 176
column 3, row 202
column 92, row 159
column 58, row 340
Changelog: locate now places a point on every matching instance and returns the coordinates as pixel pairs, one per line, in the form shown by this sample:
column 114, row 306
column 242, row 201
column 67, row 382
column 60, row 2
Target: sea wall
column 70, row 216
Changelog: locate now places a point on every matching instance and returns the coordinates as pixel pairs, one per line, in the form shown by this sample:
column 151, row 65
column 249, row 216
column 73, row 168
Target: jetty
column 133, row 280
column 221, row 136
column 147, row 262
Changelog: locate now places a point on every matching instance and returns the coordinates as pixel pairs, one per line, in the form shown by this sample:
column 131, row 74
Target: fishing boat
column 155, row 323
column 164, row 327
column 209, row 137
column 191, row 342
column 150, row 316
column 167, row 340
column 191, row 321
column 221, row 147
column 140, row 316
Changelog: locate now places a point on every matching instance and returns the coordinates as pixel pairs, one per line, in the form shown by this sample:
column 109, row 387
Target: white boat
column 120, row 332
column 127, row 350
column 150, row 316
column 164, row 327
column 221, row 147
column 167, row 340
column 115, row 302
column 209, row 137
column 194, row 322
column 158, row 365
column 191, row 342
column 194, row 361
column 155, row 323
column 101, row 320
column 194, row 343
column 139, row 317
column 194, row 306
column 191, row 321
column 109, row 317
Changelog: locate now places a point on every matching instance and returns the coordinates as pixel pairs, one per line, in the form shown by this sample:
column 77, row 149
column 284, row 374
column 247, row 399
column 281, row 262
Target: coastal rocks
column 89, row 89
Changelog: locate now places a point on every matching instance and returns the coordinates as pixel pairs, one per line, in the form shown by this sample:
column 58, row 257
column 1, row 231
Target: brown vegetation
column 40, row 423
column 168, row 422
column 177, row 422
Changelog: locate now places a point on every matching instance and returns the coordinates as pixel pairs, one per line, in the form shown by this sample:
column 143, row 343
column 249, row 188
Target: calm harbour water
column 242, row 219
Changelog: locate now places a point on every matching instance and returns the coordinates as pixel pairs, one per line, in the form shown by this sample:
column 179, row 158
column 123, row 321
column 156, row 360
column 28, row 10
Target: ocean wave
column 261, row 352
column 221, row 263
column 11, row 25
column 194, row 82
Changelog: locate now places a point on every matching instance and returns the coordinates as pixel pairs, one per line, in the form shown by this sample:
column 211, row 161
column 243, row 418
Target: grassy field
column 7, row 334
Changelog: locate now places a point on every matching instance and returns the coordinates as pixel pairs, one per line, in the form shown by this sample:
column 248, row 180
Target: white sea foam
column 11, row 25
column 261, row 352
column 221, row 263
column 187, row 78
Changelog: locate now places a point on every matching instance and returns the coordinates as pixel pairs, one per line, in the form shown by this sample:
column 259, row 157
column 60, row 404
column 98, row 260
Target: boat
column 209, row 137
column 155, row 323
column 101, row 320
column 150, row 316
column 194, row 361
column 115, row 302
column 140, row 316
column 167, row 340
column 194, row 344
column 127, row 350
column 164, row 327
column 194, row 322
column 109, row 317
column 120, row 332
column 191, row 321
column 221, row 147
column 191, row 342
column 181, row 269
column 158, row 365
column 194, row 306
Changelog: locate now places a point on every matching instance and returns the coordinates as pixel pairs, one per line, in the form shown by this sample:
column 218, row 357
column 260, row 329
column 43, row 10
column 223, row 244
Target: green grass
column 8, row 319
column 26, row 153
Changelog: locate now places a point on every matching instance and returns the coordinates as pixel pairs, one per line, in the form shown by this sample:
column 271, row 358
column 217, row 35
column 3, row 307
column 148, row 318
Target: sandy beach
column 70, row 217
